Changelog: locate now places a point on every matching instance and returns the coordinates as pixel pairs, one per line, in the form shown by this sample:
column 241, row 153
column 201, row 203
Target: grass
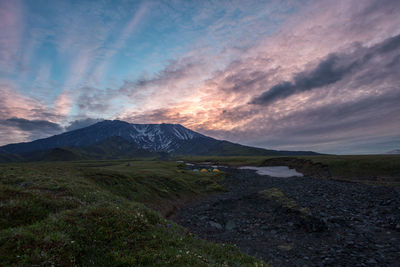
column 277, row 195
column 361, row 166
column 95, row 213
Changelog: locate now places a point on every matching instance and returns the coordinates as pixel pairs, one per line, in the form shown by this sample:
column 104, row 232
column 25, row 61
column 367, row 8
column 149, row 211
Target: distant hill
column 394, row 152
column 118, row 139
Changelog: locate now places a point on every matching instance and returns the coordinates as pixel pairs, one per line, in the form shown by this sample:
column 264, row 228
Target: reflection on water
column 275, row 171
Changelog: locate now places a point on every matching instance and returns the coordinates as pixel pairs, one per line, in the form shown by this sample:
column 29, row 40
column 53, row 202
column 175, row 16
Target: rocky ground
column 331, row 222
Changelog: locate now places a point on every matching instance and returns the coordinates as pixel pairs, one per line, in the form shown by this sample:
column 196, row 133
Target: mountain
column 394, row 152
column 119, row 139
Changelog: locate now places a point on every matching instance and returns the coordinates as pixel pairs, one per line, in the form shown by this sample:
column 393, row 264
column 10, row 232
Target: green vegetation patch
column 368, row 166
column 21, row 207
column 152, row 181
column 277, row 195
column 113, row 235
column 93, row 214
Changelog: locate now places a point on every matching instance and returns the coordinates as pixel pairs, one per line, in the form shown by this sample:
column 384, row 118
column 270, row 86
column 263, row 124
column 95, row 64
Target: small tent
column 204, row 170
column 215, row 170
column 196, row 170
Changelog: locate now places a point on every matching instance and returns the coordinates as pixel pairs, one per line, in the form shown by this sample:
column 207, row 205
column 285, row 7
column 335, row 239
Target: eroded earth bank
column 300, row 221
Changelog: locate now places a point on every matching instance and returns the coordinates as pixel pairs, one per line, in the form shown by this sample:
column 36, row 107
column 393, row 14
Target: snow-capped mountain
column 152, row 137
column 119, row 139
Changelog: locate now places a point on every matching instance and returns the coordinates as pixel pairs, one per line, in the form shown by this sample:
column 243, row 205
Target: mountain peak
column 153, row 137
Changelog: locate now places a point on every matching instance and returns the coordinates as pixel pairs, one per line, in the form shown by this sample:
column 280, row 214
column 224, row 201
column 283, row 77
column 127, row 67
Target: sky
column 291, row 75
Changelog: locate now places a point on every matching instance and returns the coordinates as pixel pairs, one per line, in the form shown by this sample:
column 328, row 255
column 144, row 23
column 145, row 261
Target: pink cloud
column 14, row 104
column 63, row 104
column 10, row 33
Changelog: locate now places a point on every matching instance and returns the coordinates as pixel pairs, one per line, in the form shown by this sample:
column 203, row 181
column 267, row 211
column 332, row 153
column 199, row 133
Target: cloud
column 170, row 85
column 27, row 130
column 15, row 104
column 93, row 100
column 10, row 34
column 126, row 33
column 330, row 70
column 32, row 125
column 15, row 130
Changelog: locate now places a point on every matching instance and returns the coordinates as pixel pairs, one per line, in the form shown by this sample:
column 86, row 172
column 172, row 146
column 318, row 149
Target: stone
column 230, row 225
column 215, row 225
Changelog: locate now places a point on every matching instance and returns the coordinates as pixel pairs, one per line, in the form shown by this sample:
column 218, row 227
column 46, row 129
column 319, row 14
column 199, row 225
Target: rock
column 230, row 225
column 347, row 225
column 215, row 225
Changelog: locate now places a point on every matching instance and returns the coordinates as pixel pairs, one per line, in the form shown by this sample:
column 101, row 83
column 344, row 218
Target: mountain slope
column 119, row 139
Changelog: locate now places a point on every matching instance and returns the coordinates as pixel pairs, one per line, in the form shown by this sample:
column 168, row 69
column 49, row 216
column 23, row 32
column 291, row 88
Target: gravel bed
column 347, row 224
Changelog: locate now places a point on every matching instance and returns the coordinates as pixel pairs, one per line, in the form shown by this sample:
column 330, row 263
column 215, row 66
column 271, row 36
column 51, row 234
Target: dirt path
column 316, row 222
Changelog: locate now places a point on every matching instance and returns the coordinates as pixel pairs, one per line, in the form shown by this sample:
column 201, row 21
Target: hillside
column 96, row 213
column 394, row 152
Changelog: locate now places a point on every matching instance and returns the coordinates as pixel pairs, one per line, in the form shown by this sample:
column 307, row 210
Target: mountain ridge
column 115, row 139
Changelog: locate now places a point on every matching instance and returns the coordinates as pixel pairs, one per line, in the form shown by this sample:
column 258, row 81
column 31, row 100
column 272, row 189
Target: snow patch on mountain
column 155, row 137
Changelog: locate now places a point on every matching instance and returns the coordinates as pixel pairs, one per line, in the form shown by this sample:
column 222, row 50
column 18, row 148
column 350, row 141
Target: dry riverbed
column 300, row 221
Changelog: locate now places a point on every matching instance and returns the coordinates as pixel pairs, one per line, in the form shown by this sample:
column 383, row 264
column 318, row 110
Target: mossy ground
column 277, row 195
column 382, row 169
column 95, row 214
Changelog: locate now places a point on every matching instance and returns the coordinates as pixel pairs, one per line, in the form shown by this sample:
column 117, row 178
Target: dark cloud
column 30, row 129
column 339, row 127
column 388, row 45
column 77, row 124
column 32, row 125
column 327, row 72
column 332, row 69
column 244, row 80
